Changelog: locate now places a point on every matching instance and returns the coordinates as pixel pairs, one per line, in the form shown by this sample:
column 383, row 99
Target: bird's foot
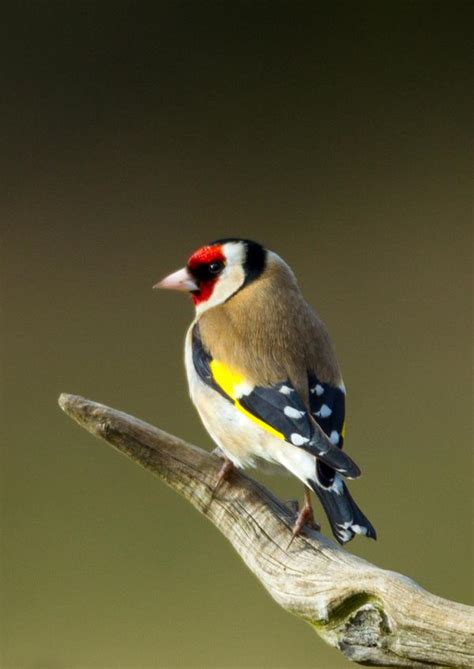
column 305, row 517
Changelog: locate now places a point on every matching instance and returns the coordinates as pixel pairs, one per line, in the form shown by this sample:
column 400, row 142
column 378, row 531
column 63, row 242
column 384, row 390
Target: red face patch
column 198, row 265
column 205, row 255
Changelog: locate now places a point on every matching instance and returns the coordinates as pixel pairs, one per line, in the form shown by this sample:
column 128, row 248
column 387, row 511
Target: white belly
column 244, row 442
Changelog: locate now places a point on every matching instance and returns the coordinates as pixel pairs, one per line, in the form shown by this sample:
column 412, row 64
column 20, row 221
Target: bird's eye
column 215, row 267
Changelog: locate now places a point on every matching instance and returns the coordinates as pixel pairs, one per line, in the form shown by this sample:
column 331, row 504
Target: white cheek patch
column 230, row 280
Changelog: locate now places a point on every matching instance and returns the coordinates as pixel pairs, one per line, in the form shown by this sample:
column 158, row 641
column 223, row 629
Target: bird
column 263, row 375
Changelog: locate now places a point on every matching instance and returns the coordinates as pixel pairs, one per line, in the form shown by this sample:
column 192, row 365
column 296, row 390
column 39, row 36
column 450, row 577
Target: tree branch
column 373, row 616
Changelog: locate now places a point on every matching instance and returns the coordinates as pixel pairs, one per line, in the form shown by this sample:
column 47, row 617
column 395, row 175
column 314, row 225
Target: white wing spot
column 334, row 437
column 298, row 439
column 318, row 389
column 293, row 413
column 324, row 411
column 286, row 390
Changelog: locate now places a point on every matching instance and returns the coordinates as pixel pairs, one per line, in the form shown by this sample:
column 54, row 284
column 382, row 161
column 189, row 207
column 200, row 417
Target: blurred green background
column 336, row 134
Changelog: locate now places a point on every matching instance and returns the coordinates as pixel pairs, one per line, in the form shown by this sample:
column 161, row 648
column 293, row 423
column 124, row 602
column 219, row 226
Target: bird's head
column 215, row 272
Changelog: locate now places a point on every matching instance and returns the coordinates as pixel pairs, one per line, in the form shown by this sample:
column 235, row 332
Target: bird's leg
column 223, row 475
column 226, row 469
column 305, row 516
column 224, row 472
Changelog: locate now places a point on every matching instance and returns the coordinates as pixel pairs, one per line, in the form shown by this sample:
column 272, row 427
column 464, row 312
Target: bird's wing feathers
column 327, row 405
column 278, row 409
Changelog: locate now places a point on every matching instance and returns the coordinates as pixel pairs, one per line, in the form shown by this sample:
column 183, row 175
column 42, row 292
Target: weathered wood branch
column 373, row 616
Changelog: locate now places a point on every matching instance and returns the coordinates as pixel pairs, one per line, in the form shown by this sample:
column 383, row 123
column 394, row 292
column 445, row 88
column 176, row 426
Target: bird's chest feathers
column 246, row 341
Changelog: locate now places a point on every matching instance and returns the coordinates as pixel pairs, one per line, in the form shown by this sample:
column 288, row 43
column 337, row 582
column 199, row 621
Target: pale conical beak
column 180, row 280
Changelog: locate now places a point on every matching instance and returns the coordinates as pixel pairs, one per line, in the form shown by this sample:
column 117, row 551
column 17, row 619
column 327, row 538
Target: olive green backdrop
column 334, row 133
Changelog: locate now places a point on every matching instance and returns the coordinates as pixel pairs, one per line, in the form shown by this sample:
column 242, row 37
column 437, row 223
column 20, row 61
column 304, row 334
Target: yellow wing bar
column 235, row 385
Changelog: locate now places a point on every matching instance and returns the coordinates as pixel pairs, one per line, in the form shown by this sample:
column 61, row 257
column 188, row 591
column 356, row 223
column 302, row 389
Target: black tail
column 344, row 515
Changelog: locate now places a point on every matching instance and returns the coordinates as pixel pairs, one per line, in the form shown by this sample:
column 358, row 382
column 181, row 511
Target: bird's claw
column 304, row 518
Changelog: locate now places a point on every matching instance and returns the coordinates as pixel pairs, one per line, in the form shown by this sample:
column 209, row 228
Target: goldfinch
column 264, row 378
